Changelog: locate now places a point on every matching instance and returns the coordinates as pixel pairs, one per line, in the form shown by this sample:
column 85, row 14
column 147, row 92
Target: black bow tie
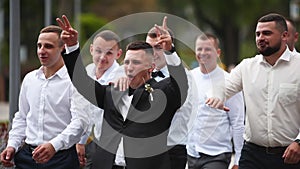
column 130, row 91
column 157, row 73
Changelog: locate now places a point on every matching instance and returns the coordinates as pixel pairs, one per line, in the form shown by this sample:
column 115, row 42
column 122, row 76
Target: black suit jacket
column 145, row 129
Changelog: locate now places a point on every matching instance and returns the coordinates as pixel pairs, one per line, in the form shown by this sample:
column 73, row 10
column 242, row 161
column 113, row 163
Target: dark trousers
column 89, row 153
column 178, row 156
column 220, row 161
column 64, row 159
column 257, row 157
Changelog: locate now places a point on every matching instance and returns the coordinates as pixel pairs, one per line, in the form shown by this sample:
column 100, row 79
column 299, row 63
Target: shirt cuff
column 298, row 136
column 14, row 145
column 84, row 138
column 70, row 49
column 56, row 144
column 172, row 59
column 237, row 158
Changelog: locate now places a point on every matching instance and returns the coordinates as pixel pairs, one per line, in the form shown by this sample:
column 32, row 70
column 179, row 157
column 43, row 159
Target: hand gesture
column 164, row 37
column 6, row 157
column 43, row 153
column 68, row 35
column 292, row 154
column 216, row 103
column 122, row 83
column 80, row 148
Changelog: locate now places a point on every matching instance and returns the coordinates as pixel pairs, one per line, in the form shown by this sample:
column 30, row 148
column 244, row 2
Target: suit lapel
column 138, row 93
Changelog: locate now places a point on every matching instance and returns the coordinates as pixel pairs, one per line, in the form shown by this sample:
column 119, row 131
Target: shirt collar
column 208, row 75
column 286, row 56
column 108, row 72
column 61, row 73
column 164, row 70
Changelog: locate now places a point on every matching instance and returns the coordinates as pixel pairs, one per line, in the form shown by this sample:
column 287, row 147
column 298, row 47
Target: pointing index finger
column 164, row 24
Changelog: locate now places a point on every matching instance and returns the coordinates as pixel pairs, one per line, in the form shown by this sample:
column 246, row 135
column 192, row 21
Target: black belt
column 118, row 167
column 31, row 148
column 267, row 150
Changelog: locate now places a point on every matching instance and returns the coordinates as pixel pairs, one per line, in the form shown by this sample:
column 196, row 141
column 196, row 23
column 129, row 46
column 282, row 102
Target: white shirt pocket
column 287, row 93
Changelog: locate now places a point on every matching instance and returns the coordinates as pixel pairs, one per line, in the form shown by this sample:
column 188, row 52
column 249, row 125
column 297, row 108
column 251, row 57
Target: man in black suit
column 135, row 127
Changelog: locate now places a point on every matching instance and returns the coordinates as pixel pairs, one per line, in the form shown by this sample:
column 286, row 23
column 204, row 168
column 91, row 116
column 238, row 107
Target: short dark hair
column 108, row 35
column 207, row 36
column 140, row 45
column 279, row 20
column 292, row 23
column 53, row 29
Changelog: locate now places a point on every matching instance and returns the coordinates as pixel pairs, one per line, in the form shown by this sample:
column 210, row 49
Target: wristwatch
column 297, row 141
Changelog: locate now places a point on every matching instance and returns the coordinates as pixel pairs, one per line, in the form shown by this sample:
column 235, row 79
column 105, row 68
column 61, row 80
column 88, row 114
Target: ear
column 219, row 52
column 91, row 48
column 296, row 37
column 120, row 51
column 285, row 35
column 151, row 68
column 62, row 48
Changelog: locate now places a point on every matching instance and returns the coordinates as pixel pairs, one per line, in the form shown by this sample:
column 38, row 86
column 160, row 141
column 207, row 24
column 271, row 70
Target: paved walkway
column 4, row 111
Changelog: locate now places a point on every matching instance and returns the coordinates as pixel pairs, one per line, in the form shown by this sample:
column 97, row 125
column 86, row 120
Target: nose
column 102, row 56
column 41, row 49
column 260, row 36
column 130, row 66
column 202, row 52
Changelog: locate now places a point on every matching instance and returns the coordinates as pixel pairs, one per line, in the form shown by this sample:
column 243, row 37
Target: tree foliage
column 233, row 21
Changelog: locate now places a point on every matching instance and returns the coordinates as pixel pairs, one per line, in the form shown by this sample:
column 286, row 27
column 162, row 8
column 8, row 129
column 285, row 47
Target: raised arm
column 85, row 85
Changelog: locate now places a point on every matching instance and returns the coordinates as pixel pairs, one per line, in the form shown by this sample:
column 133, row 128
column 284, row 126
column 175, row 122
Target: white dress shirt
column 179, row 128
column 47, row 112
column 96, row 112
column 295, row 51
column 214, row 129
column 272, row 98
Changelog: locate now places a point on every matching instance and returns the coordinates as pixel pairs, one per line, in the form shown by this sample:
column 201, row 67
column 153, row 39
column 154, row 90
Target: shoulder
column 251, row 60
column 31, row 75
column 296, row 56
column 194, row 71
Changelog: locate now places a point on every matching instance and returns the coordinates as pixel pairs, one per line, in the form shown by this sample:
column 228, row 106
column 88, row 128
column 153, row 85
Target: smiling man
column 270, row 84
column 135, row 127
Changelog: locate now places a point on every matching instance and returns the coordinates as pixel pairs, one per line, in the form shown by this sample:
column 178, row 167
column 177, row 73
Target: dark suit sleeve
column 93, row 91
column 179, row 79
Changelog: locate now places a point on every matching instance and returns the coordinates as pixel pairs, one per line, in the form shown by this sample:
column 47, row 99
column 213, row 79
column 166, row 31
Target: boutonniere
column 149, row 89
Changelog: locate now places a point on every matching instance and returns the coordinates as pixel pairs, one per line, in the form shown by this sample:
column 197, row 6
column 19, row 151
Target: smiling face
column 49, row 48
column 207, row 53
column 268, row 38
column 104, row 54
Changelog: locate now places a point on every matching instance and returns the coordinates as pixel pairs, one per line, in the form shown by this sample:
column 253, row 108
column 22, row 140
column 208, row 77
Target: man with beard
column 270, row 82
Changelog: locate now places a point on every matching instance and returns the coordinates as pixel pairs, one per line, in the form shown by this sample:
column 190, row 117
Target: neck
column 272, row 59
column 206, row 69
column 158, row 68
column 99, row 73
column 140, row 79
column 50, row 71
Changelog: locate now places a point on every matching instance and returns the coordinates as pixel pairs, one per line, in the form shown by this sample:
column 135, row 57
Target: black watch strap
column 171, row 51
column 297, row 141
